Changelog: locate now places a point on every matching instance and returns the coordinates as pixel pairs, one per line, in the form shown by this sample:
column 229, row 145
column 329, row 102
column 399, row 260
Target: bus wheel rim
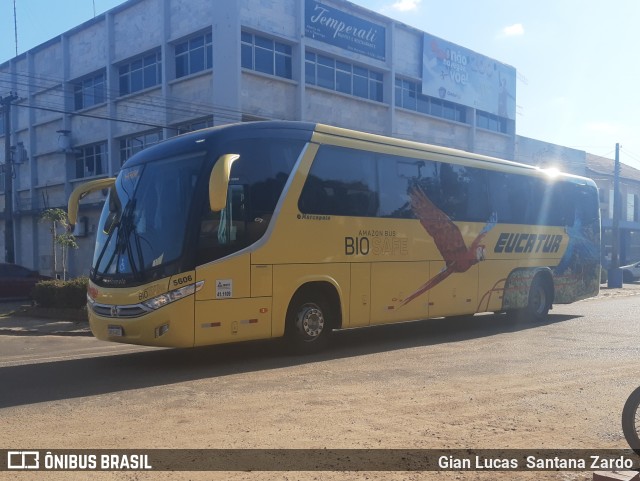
column 311, row 320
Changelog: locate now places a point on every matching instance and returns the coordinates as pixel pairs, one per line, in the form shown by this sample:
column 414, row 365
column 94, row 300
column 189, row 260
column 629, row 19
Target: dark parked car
column 17, row 282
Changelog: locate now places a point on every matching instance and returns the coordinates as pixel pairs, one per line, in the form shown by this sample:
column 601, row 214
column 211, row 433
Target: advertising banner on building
column 457, row 74
column 330, row 25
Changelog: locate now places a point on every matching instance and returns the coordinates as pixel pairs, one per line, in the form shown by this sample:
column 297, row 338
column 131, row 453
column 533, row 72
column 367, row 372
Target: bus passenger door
column 360, row 305
column 224, row 309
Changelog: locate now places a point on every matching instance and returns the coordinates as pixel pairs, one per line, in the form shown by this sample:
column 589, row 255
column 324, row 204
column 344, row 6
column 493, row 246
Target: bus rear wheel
column 308, row 323
column 539, row 301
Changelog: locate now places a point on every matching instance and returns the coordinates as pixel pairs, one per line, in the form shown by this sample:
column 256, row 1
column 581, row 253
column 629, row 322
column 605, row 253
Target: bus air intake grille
column 119, row 312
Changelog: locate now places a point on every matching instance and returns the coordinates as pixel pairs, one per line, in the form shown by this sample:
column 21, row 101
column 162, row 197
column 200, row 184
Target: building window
column 194, row 125
column 90, row 91
column 135, row 143
column 140, row 73
column 194, row 55
column 485, row 120
column 265, row 55
column 632, row 208
column 91, row 160
column 603, row 195
column 408, row 96
column 611, row 197
column 343, row 77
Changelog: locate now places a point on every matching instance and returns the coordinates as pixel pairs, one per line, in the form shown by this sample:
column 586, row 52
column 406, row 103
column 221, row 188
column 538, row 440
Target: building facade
column 148, row 70
column 601, row 170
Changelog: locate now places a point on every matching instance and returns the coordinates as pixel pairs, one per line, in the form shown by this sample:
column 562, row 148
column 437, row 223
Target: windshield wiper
column 128, row 230
column 104, row 251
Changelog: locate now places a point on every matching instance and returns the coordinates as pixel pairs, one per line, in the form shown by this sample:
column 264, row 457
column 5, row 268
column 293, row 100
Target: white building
column 150, row 69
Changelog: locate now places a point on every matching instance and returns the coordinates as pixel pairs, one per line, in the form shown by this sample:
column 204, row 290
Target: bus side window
column 341, row 181
column 478, row 209
column 498, row 191
column 257, row 180
column 563, row 204
column 397, row 176
column 587, row 205
column 453, row 191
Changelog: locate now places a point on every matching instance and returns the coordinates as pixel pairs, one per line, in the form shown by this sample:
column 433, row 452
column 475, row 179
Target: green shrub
column 70, row 294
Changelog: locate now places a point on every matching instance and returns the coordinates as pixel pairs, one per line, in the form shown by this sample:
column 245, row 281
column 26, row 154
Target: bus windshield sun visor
column 219, row 181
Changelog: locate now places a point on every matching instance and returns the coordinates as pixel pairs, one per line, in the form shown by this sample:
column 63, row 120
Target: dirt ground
column 483, row 383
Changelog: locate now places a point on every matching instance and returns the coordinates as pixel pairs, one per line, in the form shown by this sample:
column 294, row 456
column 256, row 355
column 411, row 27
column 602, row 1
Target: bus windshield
column 143, row 223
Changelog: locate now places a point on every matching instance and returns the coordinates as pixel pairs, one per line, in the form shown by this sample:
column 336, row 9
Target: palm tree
column 58, row 219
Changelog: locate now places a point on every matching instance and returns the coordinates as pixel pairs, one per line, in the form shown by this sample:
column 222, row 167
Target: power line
column 92, row 116
column 152, row 103
column 149, row 99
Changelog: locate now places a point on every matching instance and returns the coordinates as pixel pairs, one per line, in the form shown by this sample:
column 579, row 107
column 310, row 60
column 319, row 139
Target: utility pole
column 614, row 278
column 8, row 179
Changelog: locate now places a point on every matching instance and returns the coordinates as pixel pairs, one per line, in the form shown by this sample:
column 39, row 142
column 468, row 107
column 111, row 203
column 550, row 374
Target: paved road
column 480, row 382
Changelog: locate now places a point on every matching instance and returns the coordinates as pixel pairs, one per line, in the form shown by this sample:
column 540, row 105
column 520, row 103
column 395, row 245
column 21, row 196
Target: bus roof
column 455, row 155
column 190, row 142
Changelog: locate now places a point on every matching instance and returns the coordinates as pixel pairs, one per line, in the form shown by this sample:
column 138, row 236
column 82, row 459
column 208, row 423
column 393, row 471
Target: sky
column 576, row 60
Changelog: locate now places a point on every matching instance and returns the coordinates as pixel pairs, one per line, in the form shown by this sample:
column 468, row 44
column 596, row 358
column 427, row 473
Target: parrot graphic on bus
column 458, row 258
column 448, row 239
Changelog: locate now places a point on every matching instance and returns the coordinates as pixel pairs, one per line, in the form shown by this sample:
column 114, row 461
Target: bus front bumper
column 168, row 326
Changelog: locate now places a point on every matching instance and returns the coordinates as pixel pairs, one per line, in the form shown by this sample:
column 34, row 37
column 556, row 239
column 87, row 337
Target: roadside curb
column 38, row 332
column 632, row 289
column 16, row 325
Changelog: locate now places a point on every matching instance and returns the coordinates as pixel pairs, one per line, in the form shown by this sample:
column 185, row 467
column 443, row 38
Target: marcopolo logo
column 23, row 460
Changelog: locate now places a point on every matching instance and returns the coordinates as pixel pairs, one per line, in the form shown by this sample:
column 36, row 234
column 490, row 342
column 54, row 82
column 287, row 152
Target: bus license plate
column 115, row 331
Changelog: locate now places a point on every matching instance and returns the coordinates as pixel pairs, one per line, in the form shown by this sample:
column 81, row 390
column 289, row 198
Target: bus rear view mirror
column 84, row 190
column 219, row 181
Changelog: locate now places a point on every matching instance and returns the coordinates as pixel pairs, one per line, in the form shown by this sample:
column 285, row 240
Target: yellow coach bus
column 270, row 229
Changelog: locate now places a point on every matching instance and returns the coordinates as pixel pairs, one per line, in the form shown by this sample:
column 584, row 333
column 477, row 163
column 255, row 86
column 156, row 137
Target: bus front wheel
column 308, row 324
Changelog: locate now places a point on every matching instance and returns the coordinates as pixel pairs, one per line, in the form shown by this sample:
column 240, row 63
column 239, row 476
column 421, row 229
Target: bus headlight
column 172, row 296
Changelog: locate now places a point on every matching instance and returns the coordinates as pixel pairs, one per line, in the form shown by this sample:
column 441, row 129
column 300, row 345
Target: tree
column 65, row 241
column 58, row 219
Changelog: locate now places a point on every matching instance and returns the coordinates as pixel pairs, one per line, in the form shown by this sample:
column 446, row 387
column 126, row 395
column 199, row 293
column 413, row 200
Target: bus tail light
column 172, row 296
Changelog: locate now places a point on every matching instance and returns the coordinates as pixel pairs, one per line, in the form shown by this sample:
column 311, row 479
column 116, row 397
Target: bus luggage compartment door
column 360, row 305
column 225, row 311
column 457, row 294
